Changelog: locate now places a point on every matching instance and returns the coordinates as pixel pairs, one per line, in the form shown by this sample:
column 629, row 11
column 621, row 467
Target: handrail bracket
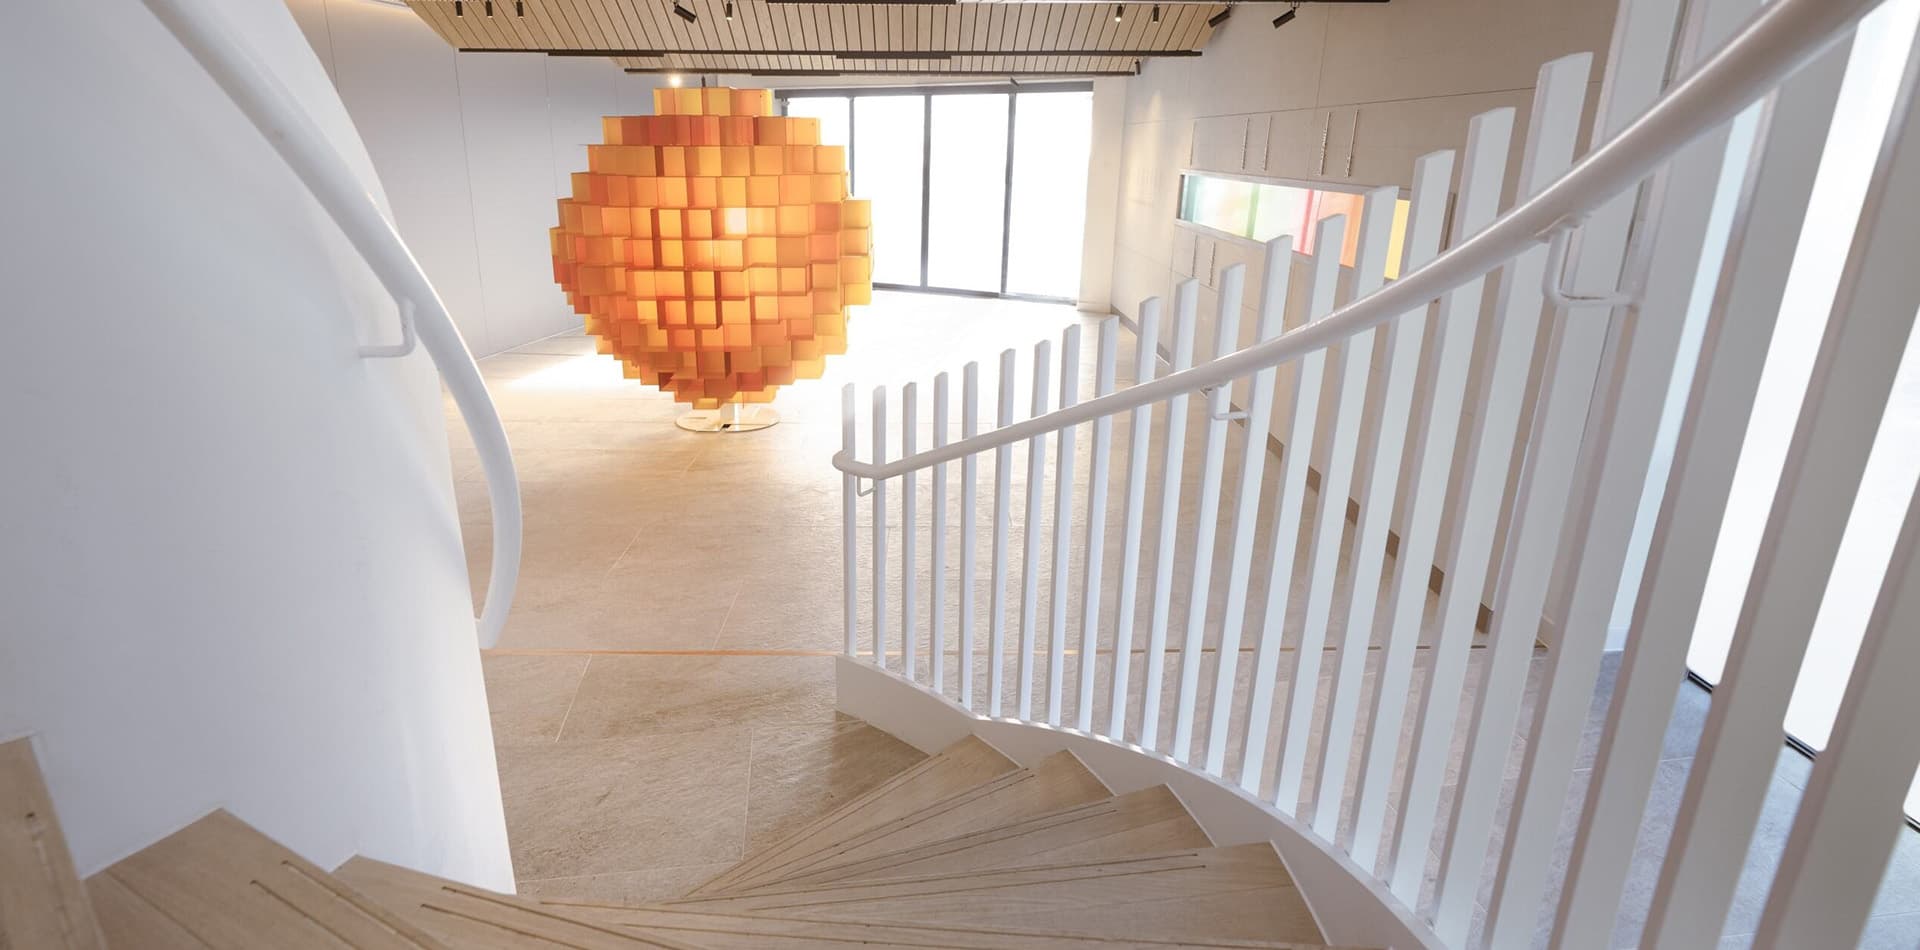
column 1553, row 278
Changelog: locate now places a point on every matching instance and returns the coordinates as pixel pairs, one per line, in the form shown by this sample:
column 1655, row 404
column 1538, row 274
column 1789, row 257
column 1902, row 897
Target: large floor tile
column 584, row 808
column 670, row 694
column 800, row 772
column 530, row 695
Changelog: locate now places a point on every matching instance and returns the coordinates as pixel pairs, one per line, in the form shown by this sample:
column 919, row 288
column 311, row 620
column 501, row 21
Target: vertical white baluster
column 1213, row 460
column 1289, row 501
column 937, row 573
column 1851, row 817
column 1096, row 524
column 909, row 502
column 1481, row 175
column 849, row 516
column 880, row 529
column 1718, row 411
column 1590, row 526
column 1352, row 363
column 1029, row 549
column 1062, row 523
column 1406, row 336
column 1146, row 359
column 1185, row 299
column 1867, row 332
column 1002, row 498
column 969, row 490
column 1553, row 128
column 1272, row 319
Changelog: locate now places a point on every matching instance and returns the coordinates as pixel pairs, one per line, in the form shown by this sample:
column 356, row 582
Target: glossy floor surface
column 663, row 694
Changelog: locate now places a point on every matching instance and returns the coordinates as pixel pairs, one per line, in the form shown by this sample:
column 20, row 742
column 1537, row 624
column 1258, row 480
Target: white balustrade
column 1542, row 468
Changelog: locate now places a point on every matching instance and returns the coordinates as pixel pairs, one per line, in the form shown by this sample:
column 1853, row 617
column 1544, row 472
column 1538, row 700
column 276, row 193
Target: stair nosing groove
column 1188, row 853
column 301, row 913
column 535, row 910
column 366, row 908
column 973, row 839
column 996, row 886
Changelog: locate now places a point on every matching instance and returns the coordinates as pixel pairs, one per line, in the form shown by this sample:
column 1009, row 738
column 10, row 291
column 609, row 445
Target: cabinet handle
column 1325, row 128
column 1352, row 134
column 1246, row 134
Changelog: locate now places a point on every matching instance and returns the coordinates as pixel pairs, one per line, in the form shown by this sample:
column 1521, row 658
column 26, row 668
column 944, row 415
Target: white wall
column 473, row 149
column 1103, row 194
column 231, row 572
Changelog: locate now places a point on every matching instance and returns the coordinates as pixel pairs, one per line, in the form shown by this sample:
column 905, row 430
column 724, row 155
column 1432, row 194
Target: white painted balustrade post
column 1289, row 501
column 880, row 530
column 909, row 503
column 1002, row 497
column 1062, row 525
column 1553, row 128
column 1867, row 332
column 1186, row 299
column 1352, row 363
column 937, row 572
column 1146, row 359
column 1096, row 537
column 1213, row 460
column 849, row 516
column 1276, row 275
column 1481, row 175
column 969, row 490
column 1406, row 337
column 1030, row 547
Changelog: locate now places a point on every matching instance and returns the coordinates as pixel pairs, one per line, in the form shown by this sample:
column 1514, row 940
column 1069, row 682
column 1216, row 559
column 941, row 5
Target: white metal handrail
column 1782, row 37
column 293, row 133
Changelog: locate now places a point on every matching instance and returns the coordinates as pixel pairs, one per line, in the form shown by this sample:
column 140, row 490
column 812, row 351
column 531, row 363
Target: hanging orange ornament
column 712, row 246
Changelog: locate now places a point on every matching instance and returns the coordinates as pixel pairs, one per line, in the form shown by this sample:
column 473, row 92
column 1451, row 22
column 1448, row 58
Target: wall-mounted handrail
column 293, row 133
column 1783, row 36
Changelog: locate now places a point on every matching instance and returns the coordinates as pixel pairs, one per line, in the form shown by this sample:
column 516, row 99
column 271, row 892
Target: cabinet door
column 1185, row 247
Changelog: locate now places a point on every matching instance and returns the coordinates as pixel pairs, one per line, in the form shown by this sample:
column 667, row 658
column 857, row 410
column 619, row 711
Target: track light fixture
column 1116, row 13
column 1223, row 16
column 459, row 9
column 685, row 14
column 729, row 11
column 519, row 7
column 1287, row 17
column 1156, row 13
column 489, row 8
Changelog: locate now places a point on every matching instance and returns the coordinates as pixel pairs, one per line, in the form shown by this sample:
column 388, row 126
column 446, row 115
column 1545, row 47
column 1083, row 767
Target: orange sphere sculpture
column 712, row 246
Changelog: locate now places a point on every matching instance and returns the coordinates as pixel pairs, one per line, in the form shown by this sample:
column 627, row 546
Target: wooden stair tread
column 1148, row 821
column 473, row 917
column 42, row 902
column 1240, row 892
column 224, row 884
column 955, row 769
column 1059, row 781
column 722, row 930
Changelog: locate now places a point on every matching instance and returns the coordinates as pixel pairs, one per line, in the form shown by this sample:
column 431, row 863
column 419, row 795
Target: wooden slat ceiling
column 836, row 37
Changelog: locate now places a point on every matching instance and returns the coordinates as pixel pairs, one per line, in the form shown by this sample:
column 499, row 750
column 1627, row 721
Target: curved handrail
column 1782, row 37
column 293, row 133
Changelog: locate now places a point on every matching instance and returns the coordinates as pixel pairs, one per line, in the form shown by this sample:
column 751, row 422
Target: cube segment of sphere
column 712, row 247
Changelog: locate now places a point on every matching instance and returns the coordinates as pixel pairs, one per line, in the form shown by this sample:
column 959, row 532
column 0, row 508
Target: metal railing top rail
column 1783, row 36
column 293, row 133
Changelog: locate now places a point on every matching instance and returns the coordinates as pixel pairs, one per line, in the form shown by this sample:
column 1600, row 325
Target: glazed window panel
column 1262, row 211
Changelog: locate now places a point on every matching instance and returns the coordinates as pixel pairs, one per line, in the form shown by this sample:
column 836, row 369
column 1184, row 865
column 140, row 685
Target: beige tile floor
column 662, row 697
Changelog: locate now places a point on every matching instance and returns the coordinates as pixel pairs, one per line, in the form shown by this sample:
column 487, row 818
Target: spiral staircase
column 964, row 849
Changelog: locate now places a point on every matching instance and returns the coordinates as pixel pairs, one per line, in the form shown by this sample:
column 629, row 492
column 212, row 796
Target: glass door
column 889, row 167
column 967, row 192
column 1052, row 136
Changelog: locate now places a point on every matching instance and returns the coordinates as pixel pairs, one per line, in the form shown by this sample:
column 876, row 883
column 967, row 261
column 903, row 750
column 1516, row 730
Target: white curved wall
column 231, row 571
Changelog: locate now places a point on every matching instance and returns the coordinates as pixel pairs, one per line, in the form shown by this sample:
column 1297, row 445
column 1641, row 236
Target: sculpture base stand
column 734, row 418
